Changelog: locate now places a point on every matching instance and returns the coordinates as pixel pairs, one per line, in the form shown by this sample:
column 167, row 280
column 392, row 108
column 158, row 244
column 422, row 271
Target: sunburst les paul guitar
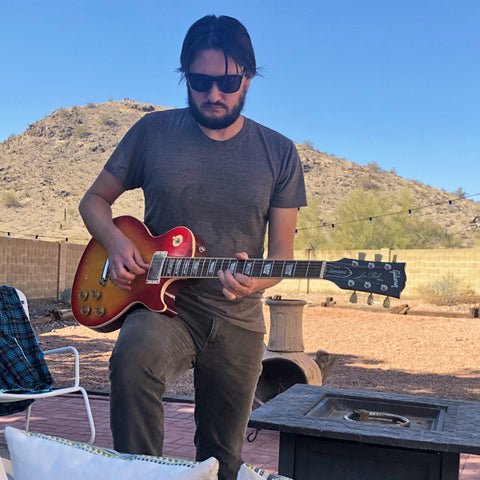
column 179, row 256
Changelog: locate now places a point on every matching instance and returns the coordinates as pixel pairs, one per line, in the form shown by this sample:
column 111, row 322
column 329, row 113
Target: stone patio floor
column 65, row 417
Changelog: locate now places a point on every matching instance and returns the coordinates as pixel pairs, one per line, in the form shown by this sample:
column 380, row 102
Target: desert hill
column 46, row 169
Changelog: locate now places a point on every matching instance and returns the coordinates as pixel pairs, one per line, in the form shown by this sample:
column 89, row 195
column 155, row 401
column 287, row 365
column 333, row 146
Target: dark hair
column 219, row 33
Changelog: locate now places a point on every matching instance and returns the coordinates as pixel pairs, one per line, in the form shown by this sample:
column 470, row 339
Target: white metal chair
column 17, row 397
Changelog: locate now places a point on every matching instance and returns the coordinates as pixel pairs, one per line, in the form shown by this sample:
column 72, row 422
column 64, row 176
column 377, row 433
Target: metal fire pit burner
column 426, row 416
column 377, row 417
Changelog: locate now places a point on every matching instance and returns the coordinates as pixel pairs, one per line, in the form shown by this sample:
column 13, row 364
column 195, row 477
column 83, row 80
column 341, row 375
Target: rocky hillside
column 45, row 171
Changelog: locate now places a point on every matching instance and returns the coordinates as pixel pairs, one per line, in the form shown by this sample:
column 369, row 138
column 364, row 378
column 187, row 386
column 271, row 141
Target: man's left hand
column 236, row 285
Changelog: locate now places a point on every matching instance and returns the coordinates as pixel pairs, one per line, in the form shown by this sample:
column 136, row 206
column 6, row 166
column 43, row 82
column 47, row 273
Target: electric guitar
column 179, row 256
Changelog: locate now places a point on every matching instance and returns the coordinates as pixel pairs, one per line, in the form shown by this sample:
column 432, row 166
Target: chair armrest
column 72, row 350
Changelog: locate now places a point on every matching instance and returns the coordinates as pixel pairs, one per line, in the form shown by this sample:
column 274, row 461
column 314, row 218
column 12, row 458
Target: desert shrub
column 105, row 119
column 10, row 200
column 374, row 166
column 309, row 234
column 65, row 295
column 81, row 131
column 450, row 290
column 390, row 225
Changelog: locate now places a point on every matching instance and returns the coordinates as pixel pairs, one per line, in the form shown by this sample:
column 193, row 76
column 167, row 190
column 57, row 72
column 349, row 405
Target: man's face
column 215, row 109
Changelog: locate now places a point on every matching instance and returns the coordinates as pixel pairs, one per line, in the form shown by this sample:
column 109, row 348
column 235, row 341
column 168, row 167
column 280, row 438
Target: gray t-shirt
column 221, row 190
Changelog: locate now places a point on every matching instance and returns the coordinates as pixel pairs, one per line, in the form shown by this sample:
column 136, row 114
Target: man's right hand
column 125, row 261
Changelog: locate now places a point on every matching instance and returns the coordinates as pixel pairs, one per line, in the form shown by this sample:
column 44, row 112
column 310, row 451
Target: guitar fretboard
column 375, row 277
column 179, row 267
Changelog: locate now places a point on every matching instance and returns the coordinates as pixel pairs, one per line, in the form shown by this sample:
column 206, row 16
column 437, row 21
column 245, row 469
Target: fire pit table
column 338, row 434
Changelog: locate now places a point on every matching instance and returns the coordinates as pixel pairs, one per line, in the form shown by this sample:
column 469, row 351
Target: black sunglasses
column 226, row 83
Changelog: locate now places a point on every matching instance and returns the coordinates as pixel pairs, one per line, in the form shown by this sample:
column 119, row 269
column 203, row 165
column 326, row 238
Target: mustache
column 214, row 104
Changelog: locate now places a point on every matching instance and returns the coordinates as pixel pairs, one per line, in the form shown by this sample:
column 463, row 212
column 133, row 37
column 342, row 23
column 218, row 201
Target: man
column 226, row 178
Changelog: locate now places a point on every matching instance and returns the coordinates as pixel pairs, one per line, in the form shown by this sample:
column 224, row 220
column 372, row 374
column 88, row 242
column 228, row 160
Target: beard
column 216, row 123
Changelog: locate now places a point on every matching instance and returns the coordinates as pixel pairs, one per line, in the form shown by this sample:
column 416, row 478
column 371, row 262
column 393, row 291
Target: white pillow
column 249, row 472
column 3, row 473
column 40, row 457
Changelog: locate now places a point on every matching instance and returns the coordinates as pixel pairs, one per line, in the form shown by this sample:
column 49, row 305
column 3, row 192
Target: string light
column 48, row 238
column 297, row 230
column 410, row 213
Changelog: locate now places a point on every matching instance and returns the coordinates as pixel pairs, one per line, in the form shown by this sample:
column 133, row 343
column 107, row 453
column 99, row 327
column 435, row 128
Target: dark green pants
column 152, row 349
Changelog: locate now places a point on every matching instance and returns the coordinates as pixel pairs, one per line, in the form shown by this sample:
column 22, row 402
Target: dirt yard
column 430, row 351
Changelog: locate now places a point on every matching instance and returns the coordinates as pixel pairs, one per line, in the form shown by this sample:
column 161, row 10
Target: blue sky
column 391, row 82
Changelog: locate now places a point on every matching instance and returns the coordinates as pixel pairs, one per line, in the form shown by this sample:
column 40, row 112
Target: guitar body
column 99, row 304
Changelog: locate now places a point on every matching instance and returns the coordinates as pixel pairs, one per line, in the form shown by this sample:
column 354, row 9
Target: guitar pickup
column 156, row 265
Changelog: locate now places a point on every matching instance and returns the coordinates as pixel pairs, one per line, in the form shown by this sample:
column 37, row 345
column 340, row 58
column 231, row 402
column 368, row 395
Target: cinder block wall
column 427, row 266
column 44, row 269
column 41, row 269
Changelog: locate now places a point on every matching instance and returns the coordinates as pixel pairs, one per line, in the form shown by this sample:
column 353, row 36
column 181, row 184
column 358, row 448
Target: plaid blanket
column 22, row 365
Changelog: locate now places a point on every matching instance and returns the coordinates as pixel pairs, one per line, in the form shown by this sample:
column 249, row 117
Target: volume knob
column 83, row 295
column 95, row 294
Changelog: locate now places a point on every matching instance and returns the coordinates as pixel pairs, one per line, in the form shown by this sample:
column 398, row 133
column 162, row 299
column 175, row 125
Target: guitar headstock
column 384, row 278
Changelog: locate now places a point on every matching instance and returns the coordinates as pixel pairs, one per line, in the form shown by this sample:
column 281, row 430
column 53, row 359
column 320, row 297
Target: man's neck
column 224, row 134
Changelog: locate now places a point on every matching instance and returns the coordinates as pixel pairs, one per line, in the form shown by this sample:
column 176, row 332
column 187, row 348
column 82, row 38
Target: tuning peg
column 370, row 299
column 353, row 297
column 386, row 302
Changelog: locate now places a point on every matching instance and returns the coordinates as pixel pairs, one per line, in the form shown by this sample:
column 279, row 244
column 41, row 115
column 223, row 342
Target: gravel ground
column 431, row 351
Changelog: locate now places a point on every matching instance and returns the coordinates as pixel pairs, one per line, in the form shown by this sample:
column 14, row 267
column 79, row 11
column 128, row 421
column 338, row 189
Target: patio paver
column 65, row 417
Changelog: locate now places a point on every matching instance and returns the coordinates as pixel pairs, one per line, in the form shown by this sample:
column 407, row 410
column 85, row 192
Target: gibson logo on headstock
column 396, row 275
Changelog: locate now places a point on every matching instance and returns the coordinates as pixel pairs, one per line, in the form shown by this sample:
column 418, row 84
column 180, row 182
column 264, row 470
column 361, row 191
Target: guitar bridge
column 156, row 265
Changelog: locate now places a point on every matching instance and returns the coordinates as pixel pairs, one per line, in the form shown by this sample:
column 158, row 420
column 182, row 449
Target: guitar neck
column 182, row 267
column 361, row 275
